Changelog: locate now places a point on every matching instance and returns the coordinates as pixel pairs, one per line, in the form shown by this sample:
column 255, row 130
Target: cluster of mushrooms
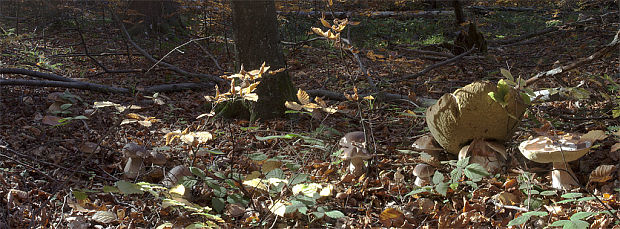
column 469, row 123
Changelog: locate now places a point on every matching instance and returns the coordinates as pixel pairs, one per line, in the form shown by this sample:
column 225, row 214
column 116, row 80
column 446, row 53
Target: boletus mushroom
column 490, row 154
column 354, row 150
column 423, row 173
column 137, row 155
column 559, row 151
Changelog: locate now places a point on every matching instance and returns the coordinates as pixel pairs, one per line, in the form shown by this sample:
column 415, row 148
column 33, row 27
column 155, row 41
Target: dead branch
column 611, row 47
column 167, row 65
column 373, row 15
column 106, row 88
column 43, row 75
column 65, row 84
column 429, row 68
column 381, row 96
column 547, row 30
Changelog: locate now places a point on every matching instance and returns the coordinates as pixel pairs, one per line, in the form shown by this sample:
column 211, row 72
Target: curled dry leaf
column 615, row 147
column 602, row 173
column 594, row 135
column 392, row 217
column 104, row 217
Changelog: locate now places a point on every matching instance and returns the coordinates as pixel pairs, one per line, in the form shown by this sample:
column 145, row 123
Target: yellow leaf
column 303, row 97
column 187, row 139
column 319, row 32
column 203, row 136
column 331, row 2
column 325, row 23
column 327, row 191
column 251, row 97
column 178, row 190
column 278, row 207
column 293, row 105
column 171, row 136
column 135, row 116
column 320, row 101
column 256, row 183
column 354, row 23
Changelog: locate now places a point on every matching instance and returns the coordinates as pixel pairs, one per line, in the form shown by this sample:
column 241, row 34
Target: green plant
column 474, row 172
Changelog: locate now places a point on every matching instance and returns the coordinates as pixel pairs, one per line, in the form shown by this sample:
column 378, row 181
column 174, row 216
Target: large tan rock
column 469, row 113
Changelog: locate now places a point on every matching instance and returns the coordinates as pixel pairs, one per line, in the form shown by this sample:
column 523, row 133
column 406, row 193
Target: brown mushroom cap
column 354, row 146
column 132, row 149
column 423, row 170
column 543, row 149
column 353, row 138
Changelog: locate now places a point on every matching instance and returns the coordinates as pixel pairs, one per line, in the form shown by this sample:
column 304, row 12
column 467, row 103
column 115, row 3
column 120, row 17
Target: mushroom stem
column 419, row 181
column 562, row 176
column 356, row 166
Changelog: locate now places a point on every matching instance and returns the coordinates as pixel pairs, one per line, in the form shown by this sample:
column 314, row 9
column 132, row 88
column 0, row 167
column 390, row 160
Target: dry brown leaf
column 602, row 173
column 51, row 120
column 104, row 217
column 392, row 217
column 615, row 147
column 594, row 135
column 88, row 147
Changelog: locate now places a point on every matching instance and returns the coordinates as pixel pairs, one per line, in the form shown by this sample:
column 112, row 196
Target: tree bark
column 256, row 37
column 458, row 11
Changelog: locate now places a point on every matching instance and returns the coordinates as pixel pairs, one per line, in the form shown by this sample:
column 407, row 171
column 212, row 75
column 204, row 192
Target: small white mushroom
column 354, row 150
column 559, row 151
column 423, row 173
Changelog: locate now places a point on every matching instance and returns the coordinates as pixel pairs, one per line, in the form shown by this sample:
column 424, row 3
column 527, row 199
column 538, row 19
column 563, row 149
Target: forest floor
column 67, row 175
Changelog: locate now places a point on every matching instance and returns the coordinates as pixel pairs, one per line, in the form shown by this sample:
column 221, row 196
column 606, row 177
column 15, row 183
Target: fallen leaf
column 392, row 217
column 615, row 147
column 602, row 173
column 51, row 120
column 104, row 217
column 594, row 135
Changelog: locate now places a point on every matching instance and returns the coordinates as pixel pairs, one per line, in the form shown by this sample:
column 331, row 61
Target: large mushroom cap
column 353, row 144
column 132, row 149
column 469, row 113
column 545, row 150
column 352, row 138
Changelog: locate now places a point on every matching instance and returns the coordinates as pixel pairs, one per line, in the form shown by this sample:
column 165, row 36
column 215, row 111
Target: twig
column 217, row 64
column 380, row 96
column 170, row 66
column 612, row 46
column 429, row 68
column 302, row 42
column 510, row 207
column 43, row 75
column 106, row 88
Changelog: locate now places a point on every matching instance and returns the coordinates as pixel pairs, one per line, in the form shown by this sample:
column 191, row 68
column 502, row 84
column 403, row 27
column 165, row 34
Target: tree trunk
column 256, row 37
column 159, row 16
column 458, row 11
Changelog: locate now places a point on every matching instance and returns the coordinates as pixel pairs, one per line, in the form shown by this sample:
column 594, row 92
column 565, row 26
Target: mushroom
column 485, row 153
column 559, row 151
column 430, row 148
column 423, row 173
column 354, row 150
column 135, row 154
